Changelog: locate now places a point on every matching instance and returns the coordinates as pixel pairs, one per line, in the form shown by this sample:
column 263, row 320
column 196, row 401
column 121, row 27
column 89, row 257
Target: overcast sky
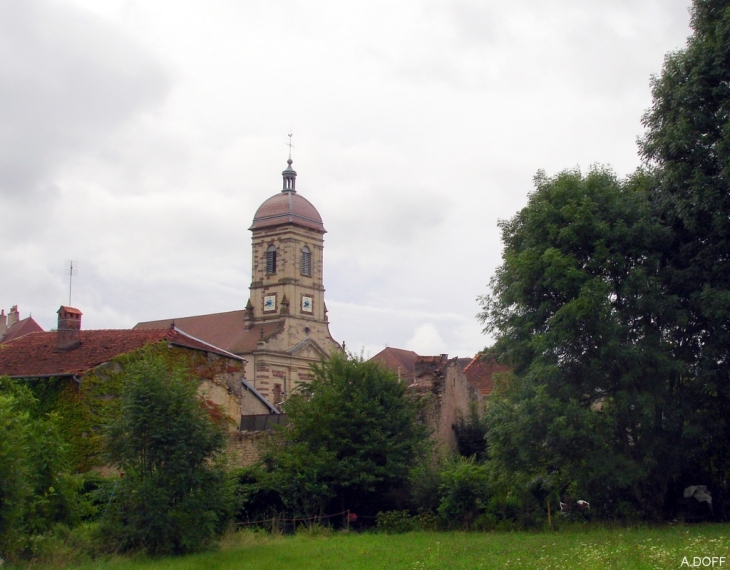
column 138, row 138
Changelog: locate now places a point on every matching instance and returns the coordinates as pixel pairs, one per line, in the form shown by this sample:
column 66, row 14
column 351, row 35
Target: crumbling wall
column 446, row 394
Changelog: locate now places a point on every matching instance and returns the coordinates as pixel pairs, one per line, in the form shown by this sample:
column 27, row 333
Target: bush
column 396, row 522
column 425, row 485
column 464, row 492
column 175, row 496
column 64, row 546
column 36, row 491
column 256, row 501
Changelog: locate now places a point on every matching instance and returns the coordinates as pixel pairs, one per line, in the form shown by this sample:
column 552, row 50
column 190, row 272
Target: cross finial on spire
column 289, row 174
column 289, row 144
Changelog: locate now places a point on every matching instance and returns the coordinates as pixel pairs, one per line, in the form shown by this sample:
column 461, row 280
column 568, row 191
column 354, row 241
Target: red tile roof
column 402, row 362
column 480, row 373
column 225, row 330
column 36, row 354
column 21, row 328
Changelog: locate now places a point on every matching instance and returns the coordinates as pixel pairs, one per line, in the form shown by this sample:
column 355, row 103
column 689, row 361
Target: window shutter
column 306, row 261
column 271, row 259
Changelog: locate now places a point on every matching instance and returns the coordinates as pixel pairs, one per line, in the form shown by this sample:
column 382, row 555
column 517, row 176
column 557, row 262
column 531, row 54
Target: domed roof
column 287, row 207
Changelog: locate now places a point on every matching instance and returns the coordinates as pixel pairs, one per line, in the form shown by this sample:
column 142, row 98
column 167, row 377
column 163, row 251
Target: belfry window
column 306, row 261
column 271, row 259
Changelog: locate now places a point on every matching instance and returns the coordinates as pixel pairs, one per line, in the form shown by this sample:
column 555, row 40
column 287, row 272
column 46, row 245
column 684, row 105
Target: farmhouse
column 73, row 353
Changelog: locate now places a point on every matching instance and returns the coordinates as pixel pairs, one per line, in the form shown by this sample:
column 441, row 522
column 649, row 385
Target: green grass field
column 580, row 547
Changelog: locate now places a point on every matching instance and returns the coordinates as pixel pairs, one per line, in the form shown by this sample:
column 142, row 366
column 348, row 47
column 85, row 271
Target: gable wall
column 447, row 395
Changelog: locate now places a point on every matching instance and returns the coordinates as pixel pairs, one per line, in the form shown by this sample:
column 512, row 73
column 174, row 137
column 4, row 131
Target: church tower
column 286, row 304
column 284, row 328
column 286, row 267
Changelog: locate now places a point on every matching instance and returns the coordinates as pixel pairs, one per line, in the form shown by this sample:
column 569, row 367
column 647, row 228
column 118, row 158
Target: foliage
column 395, row 522
column 82, row 409
column 464, row 492
column 174, row 494
column 425, row 484
column 255, row 499
column 36, row 491
column 612, row 305
column 581, row 314
column 351, row 441
column 14, row 469
column 687, row 142
column 471, row 434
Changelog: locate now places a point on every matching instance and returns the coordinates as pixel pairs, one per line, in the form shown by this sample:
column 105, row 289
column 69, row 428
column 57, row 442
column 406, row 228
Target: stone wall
column 245, row 447
column 446, row 394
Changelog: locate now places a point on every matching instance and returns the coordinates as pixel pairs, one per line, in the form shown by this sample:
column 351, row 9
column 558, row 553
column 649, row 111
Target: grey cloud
column 67, row 80
column 602, row 48
column 392, row 214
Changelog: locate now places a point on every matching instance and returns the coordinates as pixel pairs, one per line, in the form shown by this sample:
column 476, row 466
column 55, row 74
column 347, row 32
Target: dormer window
column 271, row 259
column 306, row 262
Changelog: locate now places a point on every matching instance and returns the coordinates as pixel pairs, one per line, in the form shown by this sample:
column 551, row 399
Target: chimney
column 69, row 325
column 3, row 324
column 13, row 316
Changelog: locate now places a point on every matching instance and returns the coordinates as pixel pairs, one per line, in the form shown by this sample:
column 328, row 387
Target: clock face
column 269, row 303
column 306, row 304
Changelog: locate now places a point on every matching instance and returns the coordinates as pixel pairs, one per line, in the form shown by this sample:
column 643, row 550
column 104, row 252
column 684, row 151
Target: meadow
column 580, row 547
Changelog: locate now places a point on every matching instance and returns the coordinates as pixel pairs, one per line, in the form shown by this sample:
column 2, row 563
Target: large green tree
column 579, row 311
column 352, row 439
column 687, row 142
column 173, row 496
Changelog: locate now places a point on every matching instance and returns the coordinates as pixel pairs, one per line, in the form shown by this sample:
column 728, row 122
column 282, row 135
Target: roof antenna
column 70, row 280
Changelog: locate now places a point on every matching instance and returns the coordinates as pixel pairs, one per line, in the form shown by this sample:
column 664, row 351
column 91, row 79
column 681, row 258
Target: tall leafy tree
column 687, row 142
column 351, row 441
column 579, row 311
column 174, row 496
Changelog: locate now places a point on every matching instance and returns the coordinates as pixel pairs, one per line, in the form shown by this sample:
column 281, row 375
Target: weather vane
column 289, row 144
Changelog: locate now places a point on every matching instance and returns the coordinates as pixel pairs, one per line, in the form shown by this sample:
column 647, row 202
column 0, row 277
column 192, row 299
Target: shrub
column 395, row 522
column 464, row 492
column 36, row 492
column 175, row 496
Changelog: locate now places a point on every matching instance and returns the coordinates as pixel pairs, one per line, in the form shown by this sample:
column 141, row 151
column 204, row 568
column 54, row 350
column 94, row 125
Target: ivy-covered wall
column 86, row 406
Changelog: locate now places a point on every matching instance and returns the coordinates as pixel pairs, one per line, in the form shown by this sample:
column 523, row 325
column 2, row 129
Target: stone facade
column 447, row 395
column 222, row 383
column 287, row 289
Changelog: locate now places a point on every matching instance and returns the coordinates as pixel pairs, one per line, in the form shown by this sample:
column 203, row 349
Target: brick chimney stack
column 13, row 316
column 69, row 325
column 3, row 324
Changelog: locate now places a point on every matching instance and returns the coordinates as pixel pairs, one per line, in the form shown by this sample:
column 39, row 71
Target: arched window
column 306, row 261
column 271, row 259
